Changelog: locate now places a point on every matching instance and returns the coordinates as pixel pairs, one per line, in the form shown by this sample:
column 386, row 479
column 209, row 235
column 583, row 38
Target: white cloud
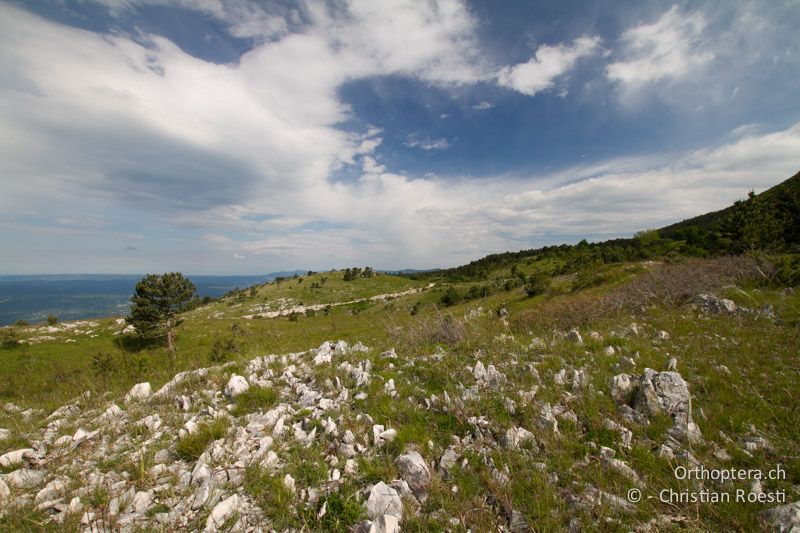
column 427, row 144
column 483, row 105
column 667, row 49
column 540, row 72
column 137, row 132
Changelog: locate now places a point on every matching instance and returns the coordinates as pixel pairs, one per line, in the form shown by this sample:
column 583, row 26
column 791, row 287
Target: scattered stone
column 140, row 391
column 709, row 303
column 574, row 335
column 517, row 437
column 384, row 500
column 662, row 335
column 621, row 388
column 222, row 511
column 236, row 385
column 785, row 518
column 415, row 472
column 667, row 393
column 16, row 457
column 517, row 523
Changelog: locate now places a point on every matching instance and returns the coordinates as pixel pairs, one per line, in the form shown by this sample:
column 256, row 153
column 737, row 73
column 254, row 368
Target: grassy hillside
column 504, row 378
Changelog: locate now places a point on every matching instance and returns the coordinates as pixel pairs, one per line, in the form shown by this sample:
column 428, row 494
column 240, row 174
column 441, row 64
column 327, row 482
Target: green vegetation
column 192, row 446
column 156, row 304
column 510, row 311
column 255, row 399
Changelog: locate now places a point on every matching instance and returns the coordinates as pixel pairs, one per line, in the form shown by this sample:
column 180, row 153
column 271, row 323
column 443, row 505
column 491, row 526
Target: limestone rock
column 140, row 391
column 574, row 335
column 384, row 500
column 621, row 387
column 222, row 511
column 667, row 393
column 415, row 472
column 785, row 518
column 236, row 385
column 16, row 457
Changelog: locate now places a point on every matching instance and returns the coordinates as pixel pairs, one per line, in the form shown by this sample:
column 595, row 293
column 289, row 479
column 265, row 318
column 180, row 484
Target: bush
column 8, row 338
column 537, row 284
column 21, row 323
column 450, row 297
column 222, row 350
column 102, row 363
column 787, row 270
column 52, row 320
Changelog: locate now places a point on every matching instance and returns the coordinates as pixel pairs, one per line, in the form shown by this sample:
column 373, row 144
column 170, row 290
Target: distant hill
column 768, row 221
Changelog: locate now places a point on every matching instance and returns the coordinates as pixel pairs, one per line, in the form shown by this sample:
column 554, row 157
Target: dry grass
column 441, row 328
column 667, row 284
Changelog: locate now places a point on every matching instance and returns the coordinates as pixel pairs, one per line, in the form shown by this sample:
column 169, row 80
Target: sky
column 244, row 137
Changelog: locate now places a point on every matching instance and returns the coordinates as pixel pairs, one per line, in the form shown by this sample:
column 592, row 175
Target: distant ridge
column 767, row 221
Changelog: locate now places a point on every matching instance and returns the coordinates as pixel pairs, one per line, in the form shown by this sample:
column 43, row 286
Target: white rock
column 24, row 478
column 574, row 335
column 288, row 483
column 384, row 500
column 414, row 470
column 16, row 457
column 4, row 491
column 203, row 494
column 141, row 501
column 516, row 437
column 222, row 511
column 140, row 391
column 51, row 491
column 621, row 388
column 785, row 518
column 74, row 506
column 547, row 420
column 236, row 385
column 668, row 393
column 385, row 524
column 479, row 372
column 449, row 459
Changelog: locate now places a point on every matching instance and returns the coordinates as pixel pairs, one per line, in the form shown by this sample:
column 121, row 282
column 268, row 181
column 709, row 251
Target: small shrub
column 191, row 447
column 450, row 297
column 537, row 284
column 102, row 363
column 222, row 350
column 52, row 320
column 21, row 323
column 8, row 338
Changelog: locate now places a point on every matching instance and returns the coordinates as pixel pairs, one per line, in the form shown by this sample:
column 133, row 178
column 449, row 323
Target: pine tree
column 157, row 302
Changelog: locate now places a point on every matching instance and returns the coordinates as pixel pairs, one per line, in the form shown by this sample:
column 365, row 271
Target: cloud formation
column 667, row 49
column 107, row 138
column 540, row 72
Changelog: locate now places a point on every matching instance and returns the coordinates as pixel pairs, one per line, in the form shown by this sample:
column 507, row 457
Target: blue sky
column 235, row 136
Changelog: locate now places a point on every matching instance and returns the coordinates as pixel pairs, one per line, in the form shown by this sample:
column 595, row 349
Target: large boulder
column 384, row 500
column 415, row 472
column 667, row 393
